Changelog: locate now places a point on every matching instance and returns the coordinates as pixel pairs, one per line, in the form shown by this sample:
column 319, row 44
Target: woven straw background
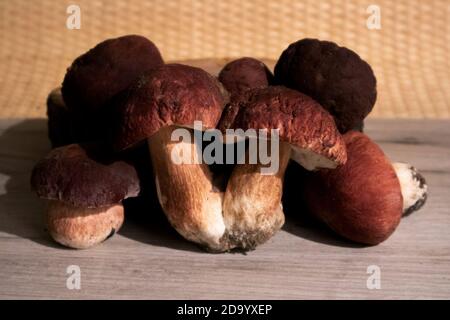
column 410, row 54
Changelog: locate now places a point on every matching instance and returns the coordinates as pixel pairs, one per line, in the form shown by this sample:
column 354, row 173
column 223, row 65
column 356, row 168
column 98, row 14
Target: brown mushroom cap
column 360, row 200
column 245, row 73
column 301, row 121
column 84, row 176
column 172, row 94
column 335, row 76
column 105, row 70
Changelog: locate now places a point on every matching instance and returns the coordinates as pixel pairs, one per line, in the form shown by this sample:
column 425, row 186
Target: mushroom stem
column 252, row 207
column 186, row 192
column 413, row 186
column 81, row 228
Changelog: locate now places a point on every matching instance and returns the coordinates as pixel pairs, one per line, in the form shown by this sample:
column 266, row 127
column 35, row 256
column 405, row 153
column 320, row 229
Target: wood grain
column 303, row 261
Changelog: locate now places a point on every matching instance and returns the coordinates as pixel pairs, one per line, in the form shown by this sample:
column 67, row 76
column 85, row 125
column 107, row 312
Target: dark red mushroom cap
column 336, row 77
column 172, row 94
column 361, row 200
column 245, row 73
column 301, row 121
column 105, row 70
column 84, row 176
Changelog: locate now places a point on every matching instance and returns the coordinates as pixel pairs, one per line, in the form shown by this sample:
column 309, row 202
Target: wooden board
column 149, row 260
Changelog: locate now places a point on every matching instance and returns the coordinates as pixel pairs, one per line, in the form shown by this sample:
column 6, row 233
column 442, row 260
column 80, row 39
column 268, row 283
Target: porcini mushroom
column 245, row 73
column 360, row 200
column 84, row 187
column 98, row 75
column 165, row 99
column 334, row 76
column 252, row 202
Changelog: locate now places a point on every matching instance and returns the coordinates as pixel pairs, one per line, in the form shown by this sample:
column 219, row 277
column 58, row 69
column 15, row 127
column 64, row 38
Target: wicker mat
column 410, row 53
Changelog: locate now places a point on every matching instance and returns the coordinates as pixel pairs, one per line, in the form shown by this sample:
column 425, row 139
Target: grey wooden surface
column 149, row 260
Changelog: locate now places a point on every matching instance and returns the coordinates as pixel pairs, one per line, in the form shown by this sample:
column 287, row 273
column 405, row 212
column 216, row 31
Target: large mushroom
column 334, row 76
column 307, row 133
column 84, row 186
column 364, row 199
column 163, row 100
column 98, row 75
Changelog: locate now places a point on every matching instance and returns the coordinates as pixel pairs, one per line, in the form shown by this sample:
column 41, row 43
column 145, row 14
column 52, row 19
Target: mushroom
column 252, row 206
column 245, row 73
column 334, row 76
column 59, row 122
column 413, row 185
column 98, row 75
column 360, row 200
column 163, row 100
column 84, row 186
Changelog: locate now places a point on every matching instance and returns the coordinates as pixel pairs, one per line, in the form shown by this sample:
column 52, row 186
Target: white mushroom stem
column 82, row 228
column 252, row 206
column 186, row 193
column 413, row 186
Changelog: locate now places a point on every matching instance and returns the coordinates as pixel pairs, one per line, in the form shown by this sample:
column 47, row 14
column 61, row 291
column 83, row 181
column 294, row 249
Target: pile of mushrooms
column 112, row 126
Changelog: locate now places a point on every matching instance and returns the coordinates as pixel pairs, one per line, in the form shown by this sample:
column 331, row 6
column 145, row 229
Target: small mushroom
column 413, row 185
column 163, row 100
column 245, row 73
column 334, row 76
column 84, row 186
column 360, row 200
column 307, row 133
column 98, row 75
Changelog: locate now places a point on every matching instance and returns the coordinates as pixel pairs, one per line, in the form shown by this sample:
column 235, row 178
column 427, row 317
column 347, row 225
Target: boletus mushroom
column 84, row 186
column 98, row 75
column 245, row 73
column 362, row 200
column 252, row 206
column 164, row 99
column 334, row 76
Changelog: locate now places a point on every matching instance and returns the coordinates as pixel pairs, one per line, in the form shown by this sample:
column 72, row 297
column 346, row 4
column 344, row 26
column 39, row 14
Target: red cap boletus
column 84, row 186
column 334, row 76
column 307, row 133
column 161, row 101
column 360, row 200
column 245, row 73
column 98, row 75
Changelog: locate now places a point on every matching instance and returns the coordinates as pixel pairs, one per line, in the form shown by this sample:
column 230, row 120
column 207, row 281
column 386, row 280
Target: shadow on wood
column 22, row 144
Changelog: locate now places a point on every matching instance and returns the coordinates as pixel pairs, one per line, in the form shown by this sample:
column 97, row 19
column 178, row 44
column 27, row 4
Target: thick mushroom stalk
column 186, row 192
column 413, row 185
column 252, row 207
column 82, row 228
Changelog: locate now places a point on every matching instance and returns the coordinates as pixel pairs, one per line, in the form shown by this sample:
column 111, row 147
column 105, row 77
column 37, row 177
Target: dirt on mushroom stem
column 252, row 207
